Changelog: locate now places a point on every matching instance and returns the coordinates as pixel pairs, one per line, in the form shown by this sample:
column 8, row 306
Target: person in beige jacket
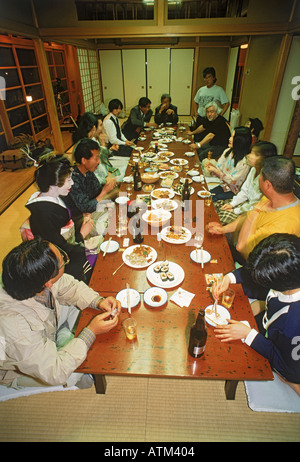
column 37, row 300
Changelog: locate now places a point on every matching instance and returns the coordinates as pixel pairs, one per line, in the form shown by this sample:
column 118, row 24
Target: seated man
column 113, row 129
column 31, row 316
column 277, row 212
column 166, row 112
column 87, row 195
column 216, row 131
column 139, row 118
column 274, row 264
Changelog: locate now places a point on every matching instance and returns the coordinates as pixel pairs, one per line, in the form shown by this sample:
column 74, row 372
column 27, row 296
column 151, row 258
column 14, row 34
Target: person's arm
column 225, row 106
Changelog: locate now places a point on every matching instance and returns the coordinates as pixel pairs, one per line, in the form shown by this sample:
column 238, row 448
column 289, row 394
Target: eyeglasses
column 64, row 256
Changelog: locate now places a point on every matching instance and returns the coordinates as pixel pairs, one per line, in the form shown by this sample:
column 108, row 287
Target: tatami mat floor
column 134, row 409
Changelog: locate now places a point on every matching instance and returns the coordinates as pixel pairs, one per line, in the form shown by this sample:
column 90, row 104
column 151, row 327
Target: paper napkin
column 182, row 297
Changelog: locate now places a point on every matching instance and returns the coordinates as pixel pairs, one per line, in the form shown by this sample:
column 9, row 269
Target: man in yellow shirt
column 277, row 212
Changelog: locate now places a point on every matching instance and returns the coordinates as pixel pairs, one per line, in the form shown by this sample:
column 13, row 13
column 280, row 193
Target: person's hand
column 109, row 304
column 189, row 132
column 101, row 324
column 110, row 184
column 114, row 147
column 215, row 228
column 129, row 143
column 87, row 225
column 193, row 146
column 221, row 287
column 234, row 330
column 227, row 207
column 170, row 111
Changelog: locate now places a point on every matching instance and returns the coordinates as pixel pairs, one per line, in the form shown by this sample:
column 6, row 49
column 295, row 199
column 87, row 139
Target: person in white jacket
column 37, row 300
column 250, row 193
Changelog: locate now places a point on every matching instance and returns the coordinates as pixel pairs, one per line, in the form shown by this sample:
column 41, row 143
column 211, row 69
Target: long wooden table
column 163, row 333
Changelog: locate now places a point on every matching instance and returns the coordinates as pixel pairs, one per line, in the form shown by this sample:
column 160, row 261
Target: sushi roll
column 163, row 277
column 170, row 276
column 157, row 269
column 165, row 269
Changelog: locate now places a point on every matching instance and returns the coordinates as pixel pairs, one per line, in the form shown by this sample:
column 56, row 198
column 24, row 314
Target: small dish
column 134, row 297
column 113, row 246
column 212, row 320
column 203, row 194
column 196, row 256
column 121, row 200
column 155, row 296
column 189, row 154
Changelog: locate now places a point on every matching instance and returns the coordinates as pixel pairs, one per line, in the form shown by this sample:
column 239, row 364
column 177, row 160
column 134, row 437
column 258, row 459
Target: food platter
column 162, row 193
column 179, row 161
column 155, row 277
column 165, row 204
column 139, row 256
column 176, row 234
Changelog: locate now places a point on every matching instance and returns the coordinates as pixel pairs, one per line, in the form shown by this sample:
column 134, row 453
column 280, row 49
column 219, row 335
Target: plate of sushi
column 165, row 274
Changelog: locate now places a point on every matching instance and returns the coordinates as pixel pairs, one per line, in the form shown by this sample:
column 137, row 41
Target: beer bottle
column 156, row 148
column 137, row 178
column 198, row 336
column 138, row 235
column 185, row 195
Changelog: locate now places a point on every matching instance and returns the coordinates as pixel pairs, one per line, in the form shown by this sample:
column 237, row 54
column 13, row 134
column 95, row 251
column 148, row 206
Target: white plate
column 203, row 194
column 181, row 128
column 191, row 191
column 210, row 318
column 189, row 154
column 186, row 236
column 179, row 161
column 196, row 256
column 122, row 200
column 186, row 141
column 153, row 294
column 138, row 148
column 197, row 179
column 162, row 215
column 142, row 138
column 158, row 204
column 193, row 173
column 134, row 297
column 212, row 179
column 161, row 158
column 113, row 246
column 151, row 257
column 164, row 174
column 166, row 153
column 155, row 278
column 182, row 180
column 150, row 155
column 168, row 191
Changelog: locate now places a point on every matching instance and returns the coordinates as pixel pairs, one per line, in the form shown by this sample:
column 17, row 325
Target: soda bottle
column 137, row 182
column 198, row 336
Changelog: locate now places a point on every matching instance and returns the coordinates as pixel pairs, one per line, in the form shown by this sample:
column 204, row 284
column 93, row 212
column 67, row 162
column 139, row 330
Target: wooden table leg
column 230, row 389
column 100, row 383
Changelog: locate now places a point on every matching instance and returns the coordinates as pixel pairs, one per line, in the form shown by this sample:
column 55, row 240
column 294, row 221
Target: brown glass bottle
column 137, row 182
column 198, row 336
column 138, row 235
column 185, row 195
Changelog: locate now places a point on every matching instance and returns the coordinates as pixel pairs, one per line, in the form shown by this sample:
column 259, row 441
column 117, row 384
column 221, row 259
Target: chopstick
column 212, row 320
column 106, row 248
column 128, row 299
column 118, row 268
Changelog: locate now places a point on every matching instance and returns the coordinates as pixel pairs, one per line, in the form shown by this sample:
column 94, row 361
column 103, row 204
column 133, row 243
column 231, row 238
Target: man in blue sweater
column 275, row 265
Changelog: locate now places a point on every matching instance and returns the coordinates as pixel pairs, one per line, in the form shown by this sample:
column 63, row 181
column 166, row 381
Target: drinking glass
column 227, row 298
column 198, row 240
column 130, row 327
column 129, row 189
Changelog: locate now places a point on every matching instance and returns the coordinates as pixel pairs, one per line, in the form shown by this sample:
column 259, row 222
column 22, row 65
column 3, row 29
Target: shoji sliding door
column 134, row 72
column 111, row 75
column 158, row 74
column 182, row 63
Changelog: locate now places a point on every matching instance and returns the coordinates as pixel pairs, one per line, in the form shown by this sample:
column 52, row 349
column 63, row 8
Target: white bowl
column 155, row 296
column 122, row 200
column 157, row 217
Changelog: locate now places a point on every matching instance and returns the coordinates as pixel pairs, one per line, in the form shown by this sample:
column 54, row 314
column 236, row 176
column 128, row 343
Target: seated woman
column 51, row 220
column 91, row 126
column 274, row 264
column 250, row 193
column 232, row 167
column 166, row 113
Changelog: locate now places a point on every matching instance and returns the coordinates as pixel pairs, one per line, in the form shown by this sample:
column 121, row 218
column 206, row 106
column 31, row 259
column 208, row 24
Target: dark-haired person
column 166, row 113
column 52, row 220
column 256, row 126
column 87, row 195
column 37, row 300
column 277, row 212
column 216, row 133
column 206, row 94
column 139, row 118
column 232, row 167
column 113, row 130
column 274, row 264
column 250, row 193
column 91, row 126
